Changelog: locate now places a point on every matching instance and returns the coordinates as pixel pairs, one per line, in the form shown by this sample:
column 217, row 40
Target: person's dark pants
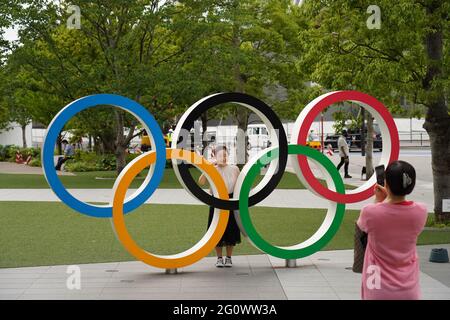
column 61, row 161
column 232, row 234
column 345, row 166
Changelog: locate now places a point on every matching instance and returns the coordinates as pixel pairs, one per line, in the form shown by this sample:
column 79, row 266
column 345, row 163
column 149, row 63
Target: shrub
column 430, row 221
column 36, row 162
column 26, row 152
column 90, row 161
column 85, row 156
column 107, row 162
column 80, row 166
column 433, row 224
column 8, row 153
column 4, row 153
column 132, row 156
column 11, row 153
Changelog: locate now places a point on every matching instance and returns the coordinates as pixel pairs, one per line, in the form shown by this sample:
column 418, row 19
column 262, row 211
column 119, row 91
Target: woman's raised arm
column 202, row 180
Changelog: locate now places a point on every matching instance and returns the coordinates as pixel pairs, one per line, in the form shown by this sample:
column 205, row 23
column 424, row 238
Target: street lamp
column 363, row 134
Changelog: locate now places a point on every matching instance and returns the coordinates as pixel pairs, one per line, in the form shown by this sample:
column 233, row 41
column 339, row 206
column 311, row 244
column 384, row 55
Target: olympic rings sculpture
column 276, row 157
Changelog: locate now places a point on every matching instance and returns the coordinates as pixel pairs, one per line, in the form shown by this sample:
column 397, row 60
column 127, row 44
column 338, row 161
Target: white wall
column 14, row 135
column 404, row 127
column 407, row 128
column 223, row 133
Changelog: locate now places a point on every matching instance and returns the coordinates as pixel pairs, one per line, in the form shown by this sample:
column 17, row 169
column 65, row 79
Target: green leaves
column 391, row 62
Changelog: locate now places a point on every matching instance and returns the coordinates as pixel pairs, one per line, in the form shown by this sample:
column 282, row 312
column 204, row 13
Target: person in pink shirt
column 391, row 264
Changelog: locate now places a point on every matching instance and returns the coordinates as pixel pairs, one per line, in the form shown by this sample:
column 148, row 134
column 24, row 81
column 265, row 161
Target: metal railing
column 414, row 138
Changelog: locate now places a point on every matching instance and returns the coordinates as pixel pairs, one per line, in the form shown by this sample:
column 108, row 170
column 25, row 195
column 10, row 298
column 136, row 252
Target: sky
column 11, row 34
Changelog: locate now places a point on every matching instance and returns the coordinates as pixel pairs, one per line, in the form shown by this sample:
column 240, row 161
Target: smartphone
column 379, row 171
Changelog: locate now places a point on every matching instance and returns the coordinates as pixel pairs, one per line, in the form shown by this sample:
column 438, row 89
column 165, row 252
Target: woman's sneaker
column 219, row 263
column 228, row 263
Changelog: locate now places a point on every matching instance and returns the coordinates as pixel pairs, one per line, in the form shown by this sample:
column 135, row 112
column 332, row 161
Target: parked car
column 354, row 141
column 331, row 139
column 314, row 142
column 258, row 136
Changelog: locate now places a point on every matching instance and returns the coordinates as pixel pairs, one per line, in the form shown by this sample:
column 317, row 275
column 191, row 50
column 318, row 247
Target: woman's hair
column 401, row 177
column 220, row 148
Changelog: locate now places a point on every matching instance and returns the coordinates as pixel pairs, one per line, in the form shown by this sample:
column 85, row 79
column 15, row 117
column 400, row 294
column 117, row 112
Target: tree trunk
column 106, row 145
column 24, row 136
column 121, row 158
column 242, row 137
column 98, row 145
column 437, row 120
column 439, row 133
column 90, row 144
column 119, row 143
column 369, row 146
column 241, row 114
column 59, row 143
column 204, row 118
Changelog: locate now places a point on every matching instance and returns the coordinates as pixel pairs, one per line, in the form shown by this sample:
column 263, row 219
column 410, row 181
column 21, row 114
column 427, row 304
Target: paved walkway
column 419, row 158
column 280, row 198
column 323, row 276
column 15, row 168
column 277, row 199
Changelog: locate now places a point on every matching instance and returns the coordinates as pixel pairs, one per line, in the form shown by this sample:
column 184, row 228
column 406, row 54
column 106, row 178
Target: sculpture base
column 172, row 271
column 291, row 263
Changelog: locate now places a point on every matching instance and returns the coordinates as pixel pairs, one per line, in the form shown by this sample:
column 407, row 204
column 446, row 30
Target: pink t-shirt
column 391, row 265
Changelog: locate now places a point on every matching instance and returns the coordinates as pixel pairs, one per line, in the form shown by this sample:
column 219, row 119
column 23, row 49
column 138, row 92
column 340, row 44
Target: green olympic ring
column 330, row 224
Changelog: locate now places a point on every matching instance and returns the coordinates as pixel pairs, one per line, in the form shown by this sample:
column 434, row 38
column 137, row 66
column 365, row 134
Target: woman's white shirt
column 229, row 174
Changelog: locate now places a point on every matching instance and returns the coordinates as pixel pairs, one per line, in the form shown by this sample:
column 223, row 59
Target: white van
column 258, row 137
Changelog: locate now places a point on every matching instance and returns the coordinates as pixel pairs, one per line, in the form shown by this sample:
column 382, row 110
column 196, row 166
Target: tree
column 7, row 10
column 408, row 56
column 16, row 98
column 435, row 86
column 19, row 114
column 123, row 47
column 163, row 54
column 4, row 110
column 247, row 48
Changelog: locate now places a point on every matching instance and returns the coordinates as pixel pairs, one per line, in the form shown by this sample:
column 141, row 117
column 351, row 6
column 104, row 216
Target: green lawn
column 89, row 180
column 41, row 233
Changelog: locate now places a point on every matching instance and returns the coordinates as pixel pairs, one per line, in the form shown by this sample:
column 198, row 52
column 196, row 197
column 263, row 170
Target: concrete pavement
column 281, row 198
column 419, row 158
column 323, row 276
column 277, row 199
column 15, row 168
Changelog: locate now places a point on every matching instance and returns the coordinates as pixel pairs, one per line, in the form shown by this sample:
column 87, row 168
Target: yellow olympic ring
column 199, row 250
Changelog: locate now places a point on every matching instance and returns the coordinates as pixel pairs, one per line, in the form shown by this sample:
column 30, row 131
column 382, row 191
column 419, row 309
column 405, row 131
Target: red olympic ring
column 391, row 144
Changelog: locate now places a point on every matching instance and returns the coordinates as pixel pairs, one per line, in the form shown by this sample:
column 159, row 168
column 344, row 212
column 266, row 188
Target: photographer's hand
column 380, row 193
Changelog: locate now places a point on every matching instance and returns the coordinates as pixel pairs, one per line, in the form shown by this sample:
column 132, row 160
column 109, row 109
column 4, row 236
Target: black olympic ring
column 252, row 103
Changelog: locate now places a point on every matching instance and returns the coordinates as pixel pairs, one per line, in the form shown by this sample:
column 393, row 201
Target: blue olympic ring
column 56, row 126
